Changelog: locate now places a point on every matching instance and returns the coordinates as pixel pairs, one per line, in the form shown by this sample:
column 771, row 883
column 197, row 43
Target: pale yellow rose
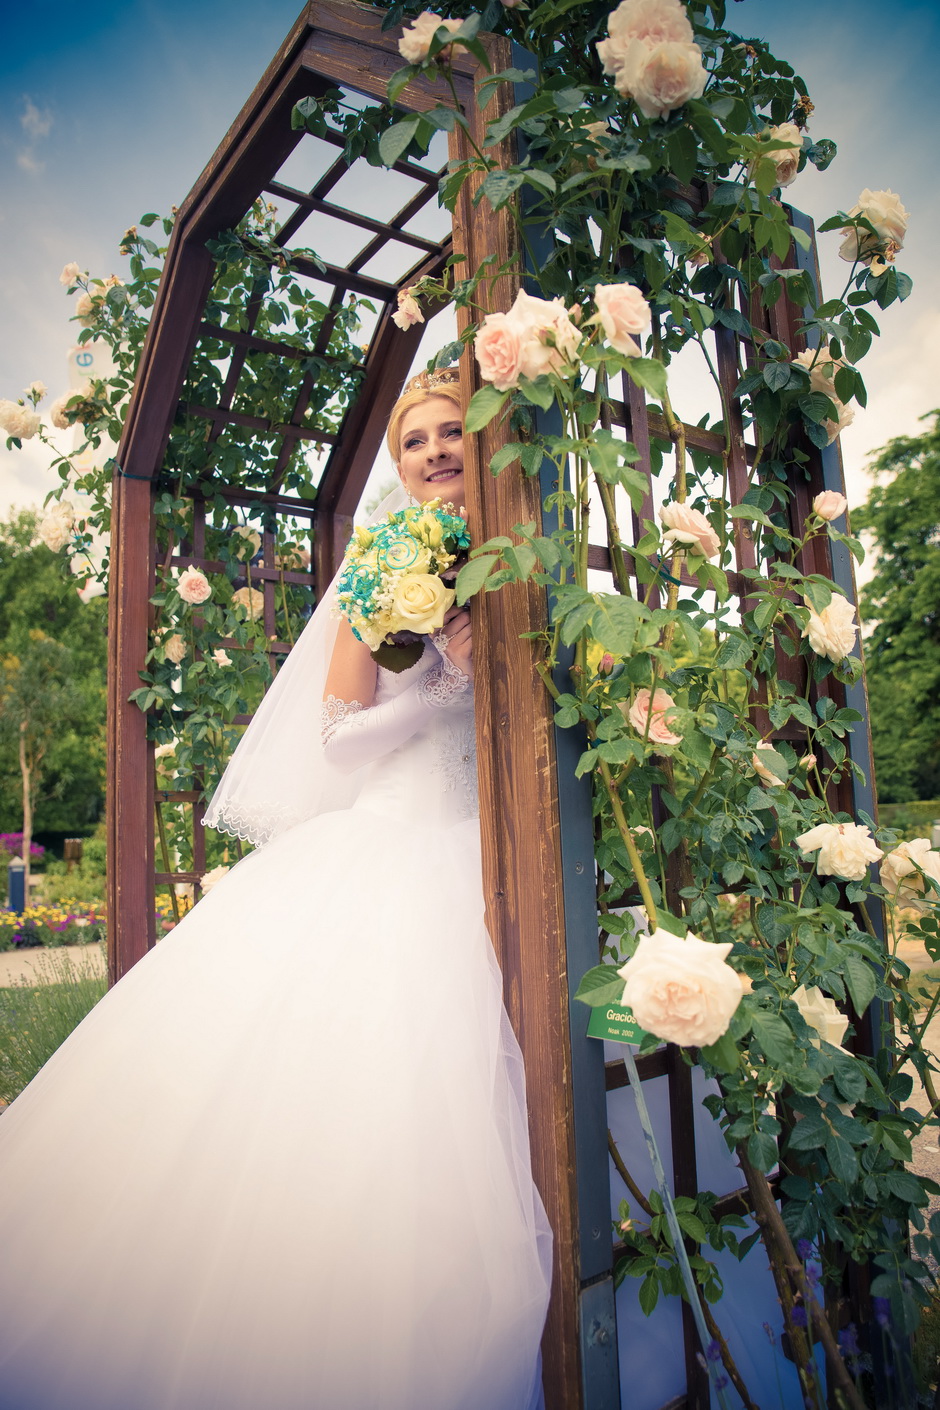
column 18, row 421
column 408, row 312
column 821, row 1012
column 900, row 875
column 221, row 658
column 786, row 160
column 845, row 849
column 420, row 601
column 662, row 79
column 70, row 273
column 763, row 772
column 888, row 216
column 248, row 541
column 55, row 533
column 832, row 631
column 416, row 37
column 683, row 991
column 85, row 310
column 212, row 878
column 174, row 648
column 822, row 371
column 251, row 599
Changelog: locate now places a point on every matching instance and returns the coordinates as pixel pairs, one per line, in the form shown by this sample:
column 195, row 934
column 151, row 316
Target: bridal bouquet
column 397, row 580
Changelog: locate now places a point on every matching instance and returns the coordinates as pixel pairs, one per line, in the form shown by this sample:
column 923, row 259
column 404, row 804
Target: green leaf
column 395, row 140
column 860, row 981
column 905, row 1186
column 601, row 985
column 540, row 392
column 733, row 652
column 399, row 81
column 505, row 456
column 649, row 1294
column 649, row 374
column 473, row 575
column 500, row 186
column 842, row 1159
column 774, row 1035
column 484, row 405
column 762, row 1150
column 724, row 1054
column 777, row 375
column 682, row 150
column 616, row 620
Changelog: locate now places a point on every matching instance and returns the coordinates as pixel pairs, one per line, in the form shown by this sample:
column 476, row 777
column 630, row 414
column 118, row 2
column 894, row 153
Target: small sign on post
column 616, row 1023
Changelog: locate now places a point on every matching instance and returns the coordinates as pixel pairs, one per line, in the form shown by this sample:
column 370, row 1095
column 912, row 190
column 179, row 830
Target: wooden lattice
column 538, row 868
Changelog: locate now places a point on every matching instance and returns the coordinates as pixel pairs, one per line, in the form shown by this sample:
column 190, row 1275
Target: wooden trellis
column 538, row 867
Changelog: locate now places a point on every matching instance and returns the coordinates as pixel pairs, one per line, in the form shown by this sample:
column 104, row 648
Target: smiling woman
column 425, row 438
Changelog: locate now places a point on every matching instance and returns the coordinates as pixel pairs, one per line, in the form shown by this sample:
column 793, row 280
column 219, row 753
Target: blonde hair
column 419, row 389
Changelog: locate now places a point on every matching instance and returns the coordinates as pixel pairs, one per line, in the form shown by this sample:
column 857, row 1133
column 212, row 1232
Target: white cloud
column 36, row 122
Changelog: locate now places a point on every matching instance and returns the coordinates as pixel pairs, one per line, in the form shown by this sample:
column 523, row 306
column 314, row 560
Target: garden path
column 19, row 965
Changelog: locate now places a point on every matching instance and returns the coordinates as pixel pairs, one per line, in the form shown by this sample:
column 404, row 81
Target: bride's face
column 431, row 464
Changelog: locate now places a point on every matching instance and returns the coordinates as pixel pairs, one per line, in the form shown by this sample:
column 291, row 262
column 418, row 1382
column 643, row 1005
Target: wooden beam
column 518, row 799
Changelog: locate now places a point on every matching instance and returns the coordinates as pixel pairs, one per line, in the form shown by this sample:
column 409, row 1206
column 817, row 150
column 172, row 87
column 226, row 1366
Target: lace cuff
column 441, row 687
column 333, row 712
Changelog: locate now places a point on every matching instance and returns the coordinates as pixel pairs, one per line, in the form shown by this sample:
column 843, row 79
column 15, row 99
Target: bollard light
column 16, row 885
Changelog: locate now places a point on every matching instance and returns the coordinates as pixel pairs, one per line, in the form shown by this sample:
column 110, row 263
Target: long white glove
column 354, row 734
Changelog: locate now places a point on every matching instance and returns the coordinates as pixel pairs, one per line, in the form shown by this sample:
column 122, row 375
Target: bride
column 284, row 1164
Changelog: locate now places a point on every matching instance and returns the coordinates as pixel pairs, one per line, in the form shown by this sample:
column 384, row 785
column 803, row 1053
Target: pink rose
column 416, row 38
column 498, row 350
column 650, row 720
column 622, row 312
column 690, row 527
column 408, row 312
column 683, row 991
column 830, row 505
column 193, row 586
column 548, row 338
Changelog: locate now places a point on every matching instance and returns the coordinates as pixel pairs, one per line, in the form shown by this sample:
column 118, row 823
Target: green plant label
column 616, row 1023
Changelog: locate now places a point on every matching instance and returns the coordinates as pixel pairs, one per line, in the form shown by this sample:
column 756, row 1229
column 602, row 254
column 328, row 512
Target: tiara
column 427, row 381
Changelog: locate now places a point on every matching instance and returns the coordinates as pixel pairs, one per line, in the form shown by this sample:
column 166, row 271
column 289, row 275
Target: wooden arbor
column 537, row 836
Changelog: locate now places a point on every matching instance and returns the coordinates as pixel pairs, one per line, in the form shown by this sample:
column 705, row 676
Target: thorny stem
column 626, row 835
column 627, row 1178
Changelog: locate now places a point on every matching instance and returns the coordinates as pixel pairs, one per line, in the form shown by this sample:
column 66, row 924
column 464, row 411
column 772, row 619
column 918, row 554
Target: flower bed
column 63, row 924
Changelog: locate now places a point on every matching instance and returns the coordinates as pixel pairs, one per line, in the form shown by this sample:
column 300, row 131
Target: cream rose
column 85, row 309
column 250, row 541
column 251, row 599
column 821, row 1013
column 36, row 391
column 644, row 23
column 643, row 711
column 899, row 874
column 408, row 312
column 221, row 658
column 419, row 602
column 18, row 421
column 623, row 313
column 212, row 878
column 887, row 215
column 822, row 372
column 786, row 161
column 416, row 38
column 681, row 990
column 70, row 273
column 55, row 533
column 498, row 350
column 690, row 527
column 830, row 505
column 174, row 648
column 845, row 849
column 193, row 586
column 832, row 631
column 57, row 410
column 763, row 772
column 662, row 79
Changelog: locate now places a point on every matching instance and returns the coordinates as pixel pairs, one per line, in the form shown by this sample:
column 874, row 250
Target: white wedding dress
column 284, row 1164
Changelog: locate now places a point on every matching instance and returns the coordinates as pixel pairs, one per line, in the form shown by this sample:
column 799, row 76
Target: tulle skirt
column 284, row 1164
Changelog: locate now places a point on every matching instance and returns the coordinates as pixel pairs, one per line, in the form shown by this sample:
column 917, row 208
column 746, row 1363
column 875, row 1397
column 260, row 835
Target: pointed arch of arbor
column 536, row 819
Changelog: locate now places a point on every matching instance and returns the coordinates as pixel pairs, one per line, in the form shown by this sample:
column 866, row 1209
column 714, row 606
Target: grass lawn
column 36, row 1016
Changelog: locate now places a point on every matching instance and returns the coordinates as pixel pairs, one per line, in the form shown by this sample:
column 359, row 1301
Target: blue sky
column 113, row 109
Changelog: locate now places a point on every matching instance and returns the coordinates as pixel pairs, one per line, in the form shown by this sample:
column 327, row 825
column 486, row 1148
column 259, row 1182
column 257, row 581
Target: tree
column 37, row 701
column 38, row 597
column 902, row 601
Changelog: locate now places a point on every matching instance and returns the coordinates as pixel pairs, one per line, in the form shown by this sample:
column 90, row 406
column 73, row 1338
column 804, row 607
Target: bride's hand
column 459, row 648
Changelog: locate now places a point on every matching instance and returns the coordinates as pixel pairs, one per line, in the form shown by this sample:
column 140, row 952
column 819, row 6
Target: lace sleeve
column 443, row 686
column 333, row 712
